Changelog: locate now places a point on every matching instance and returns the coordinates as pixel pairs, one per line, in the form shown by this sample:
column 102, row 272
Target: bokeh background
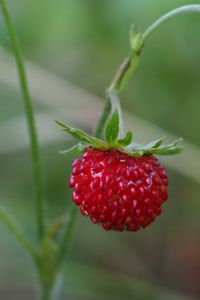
column 72, row 50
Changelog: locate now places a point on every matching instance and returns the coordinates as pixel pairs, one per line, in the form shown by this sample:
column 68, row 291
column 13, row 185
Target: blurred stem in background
column 67, row 235
column 30, row 120
column 14, row 228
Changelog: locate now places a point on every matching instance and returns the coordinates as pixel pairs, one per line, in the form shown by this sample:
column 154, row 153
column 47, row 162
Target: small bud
column 136, row 40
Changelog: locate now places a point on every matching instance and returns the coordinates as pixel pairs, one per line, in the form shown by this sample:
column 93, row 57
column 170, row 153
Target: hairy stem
column 30, row 118
column 14, row 228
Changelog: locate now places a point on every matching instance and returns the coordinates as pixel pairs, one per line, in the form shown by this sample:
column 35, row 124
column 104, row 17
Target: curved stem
column 30, row 118
column 123, row 74
column 14, row 228
column 130, row 64
column 193, row 8
column 104, row 116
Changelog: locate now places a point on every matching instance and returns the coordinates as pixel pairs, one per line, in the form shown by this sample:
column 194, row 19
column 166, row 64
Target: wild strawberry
column 118, row 191
column 117, row 183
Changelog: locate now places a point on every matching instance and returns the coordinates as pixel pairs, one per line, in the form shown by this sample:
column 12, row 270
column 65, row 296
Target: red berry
column 118, row 191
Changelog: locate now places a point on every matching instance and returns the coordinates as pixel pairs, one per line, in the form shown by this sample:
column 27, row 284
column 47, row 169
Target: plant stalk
column 46, row 294
column 123, row 74
column 68, row 230
column 103, row 118
column 193, row 8
column 14, row 228
column 37, row 173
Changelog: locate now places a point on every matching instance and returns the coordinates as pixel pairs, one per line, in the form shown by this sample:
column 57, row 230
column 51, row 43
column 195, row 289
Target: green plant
column 49, row 252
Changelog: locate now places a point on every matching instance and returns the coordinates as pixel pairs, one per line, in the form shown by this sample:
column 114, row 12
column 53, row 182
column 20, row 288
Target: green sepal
column 124, row 145
column 126, row 140
column 154, row 148
column 154, row 144
column 82, row 136
column 77, row 149
column 170, row 151
column 112, row 128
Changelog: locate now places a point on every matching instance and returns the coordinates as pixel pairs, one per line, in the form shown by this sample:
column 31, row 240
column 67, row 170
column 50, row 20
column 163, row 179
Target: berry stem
column 103, row 118
column 14, row 228
column 130, row 64
column 124, row 72
column 37, row 173
column 193, row 8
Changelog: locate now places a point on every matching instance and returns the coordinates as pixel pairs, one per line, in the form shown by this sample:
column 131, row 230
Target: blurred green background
column 75, row 47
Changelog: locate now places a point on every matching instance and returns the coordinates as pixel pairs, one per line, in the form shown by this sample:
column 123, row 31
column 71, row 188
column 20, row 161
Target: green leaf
column 82, row 136
column 126, row 140
column 78, row 148
column 112, row 128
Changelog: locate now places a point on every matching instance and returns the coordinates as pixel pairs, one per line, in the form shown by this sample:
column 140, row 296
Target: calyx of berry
column 111, row 140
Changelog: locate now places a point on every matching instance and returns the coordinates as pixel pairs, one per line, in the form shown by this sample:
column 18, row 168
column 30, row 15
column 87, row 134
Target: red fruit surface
column 118, row 191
